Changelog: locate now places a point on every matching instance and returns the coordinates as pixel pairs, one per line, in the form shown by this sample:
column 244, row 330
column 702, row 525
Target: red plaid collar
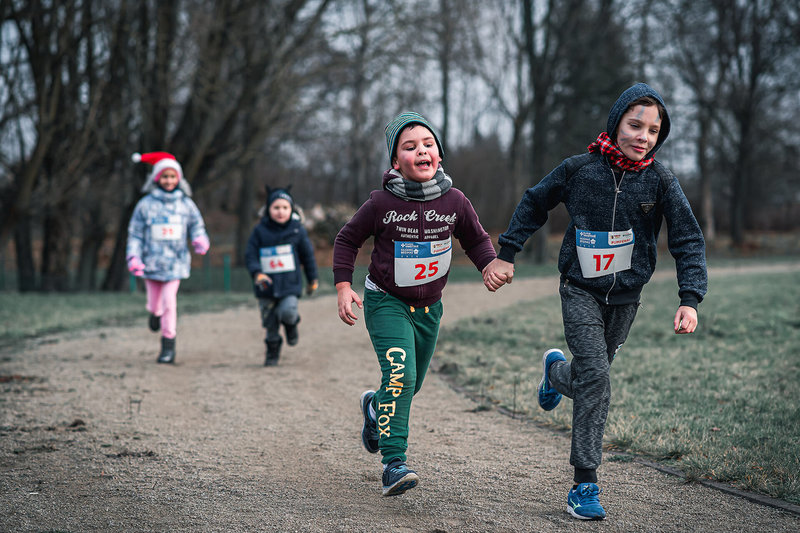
column 609, row 148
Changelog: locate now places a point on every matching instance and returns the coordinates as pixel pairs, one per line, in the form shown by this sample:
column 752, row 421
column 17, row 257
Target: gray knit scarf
column 419, row 192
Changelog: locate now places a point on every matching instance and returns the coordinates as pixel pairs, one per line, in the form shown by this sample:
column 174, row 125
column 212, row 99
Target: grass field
column 719, row 404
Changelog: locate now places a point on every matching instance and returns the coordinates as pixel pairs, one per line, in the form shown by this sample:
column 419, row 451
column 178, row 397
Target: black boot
column 154, row 323
column 167, row 354
column 292, row 335
column 273, row 352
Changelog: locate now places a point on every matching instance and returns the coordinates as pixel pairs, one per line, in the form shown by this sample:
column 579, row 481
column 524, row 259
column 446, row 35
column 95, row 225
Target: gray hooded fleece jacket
column 586, row 185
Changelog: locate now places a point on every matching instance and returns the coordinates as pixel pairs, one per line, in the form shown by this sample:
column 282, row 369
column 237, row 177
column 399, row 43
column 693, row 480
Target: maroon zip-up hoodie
column 391, row 219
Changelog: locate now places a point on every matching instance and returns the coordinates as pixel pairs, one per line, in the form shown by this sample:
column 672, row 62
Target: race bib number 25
column 417, row 263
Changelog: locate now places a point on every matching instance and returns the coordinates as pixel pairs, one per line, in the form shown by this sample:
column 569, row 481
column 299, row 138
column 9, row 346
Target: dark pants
column 275, row 312
column 594, row 332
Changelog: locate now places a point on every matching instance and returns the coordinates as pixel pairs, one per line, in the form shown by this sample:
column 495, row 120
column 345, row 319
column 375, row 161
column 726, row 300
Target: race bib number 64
column 604, row 252
column 417, row 263
column 277, row 259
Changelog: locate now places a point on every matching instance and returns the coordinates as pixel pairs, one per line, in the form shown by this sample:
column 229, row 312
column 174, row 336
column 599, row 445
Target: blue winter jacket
column 271, row 242
column 161, row 224
column 586, row 185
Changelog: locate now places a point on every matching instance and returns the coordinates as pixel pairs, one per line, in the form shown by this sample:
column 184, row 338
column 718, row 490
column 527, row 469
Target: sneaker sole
column 364, row 412
column 544, row 374
column 409, row 481
column 581, row 517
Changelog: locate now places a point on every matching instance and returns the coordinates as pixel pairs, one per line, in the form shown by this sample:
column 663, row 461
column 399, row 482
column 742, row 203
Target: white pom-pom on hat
column 136, row 157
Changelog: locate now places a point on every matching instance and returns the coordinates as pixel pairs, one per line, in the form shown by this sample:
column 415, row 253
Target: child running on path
column 413, row 220
column 616, row 196
column 157, row 251
column 277, row 247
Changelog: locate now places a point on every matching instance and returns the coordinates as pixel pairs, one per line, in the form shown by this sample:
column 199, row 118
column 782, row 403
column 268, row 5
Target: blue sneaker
column 398, row 478
column 549, row 397
column 369, row 431
column 582, row 502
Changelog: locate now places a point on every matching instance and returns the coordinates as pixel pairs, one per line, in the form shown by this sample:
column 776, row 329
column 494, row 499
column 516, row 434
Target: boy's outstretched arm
column 345, row 297
column 497, row 273
column 685, row 319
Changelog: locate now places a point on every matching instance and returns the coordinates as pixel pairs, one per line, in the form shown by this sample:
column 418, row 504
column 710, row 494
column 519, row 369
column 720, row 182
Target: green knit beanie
column 402, row 120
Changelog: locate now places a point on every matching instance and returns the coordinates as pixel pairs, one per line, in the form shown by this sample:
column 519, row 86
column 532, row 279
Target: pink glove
column 135, row 266
column 201, row 245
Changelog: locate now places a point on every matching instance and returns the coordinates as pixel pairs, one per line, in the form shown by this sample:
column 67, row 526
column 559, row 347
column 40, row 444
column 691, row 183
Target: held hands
column 346, row 297
column 685, row 320
column 497, row 273
column 311, row 287
column 262, row 280
column 201, row 245
column 135, row 266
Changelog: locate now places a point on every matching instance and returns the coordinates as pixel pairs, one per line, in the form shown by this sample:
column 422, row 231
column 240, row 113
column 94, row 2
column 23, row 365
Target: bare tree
column 758, row 36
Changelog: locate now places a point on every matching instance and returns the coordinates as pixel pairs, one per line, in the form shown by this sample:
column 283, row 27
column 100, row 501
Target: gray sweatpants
column 594, row 332
column 275, row 312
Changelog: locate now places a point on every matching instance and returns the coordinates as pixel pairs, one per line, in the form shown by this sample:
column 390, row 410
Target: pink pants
column 162, row 301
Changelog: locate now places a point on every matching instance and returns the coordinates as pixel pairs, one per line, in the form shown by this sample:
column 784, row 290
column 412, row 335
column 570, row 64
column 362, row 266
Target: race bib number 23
column 167, row 228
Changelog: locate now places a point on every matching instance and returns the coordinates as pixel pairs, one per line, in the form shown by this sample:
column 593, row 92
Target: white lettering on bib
column 166, row 228
column 276, row 259
column 417, row 263
column 604, row 252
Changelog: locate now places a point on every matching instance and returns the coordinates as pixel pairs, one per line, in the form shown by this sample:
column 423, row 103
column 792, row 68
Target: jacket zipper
column 420, row 288
column 613, row 220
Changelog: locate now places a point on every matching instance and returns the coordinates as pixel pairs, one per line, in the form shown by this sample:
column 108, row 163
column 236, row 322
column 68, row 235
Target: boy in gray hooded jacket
column 616, row 195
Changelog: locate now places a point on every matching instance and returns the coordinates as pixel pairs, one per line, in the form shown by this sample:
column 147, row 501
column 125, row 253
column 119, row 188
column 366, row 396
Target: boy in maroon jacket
column 413, row 220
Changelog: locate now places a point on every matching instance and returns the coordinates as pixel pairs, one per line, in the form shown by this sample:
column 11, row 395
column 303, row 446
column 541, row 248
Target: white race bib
column 604, row 252
column 166, row 228
column 275, row 259
column 417, row 263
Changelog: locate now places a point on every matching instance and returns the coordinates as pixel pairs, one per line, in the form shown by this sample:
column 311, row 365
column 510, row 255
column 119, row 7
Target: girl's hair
column 647, row 101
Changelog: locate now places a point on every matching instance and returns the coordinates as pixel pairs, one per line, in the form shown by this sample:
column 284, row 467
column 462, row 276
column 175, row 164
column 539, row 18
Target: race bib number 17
column 604, row 252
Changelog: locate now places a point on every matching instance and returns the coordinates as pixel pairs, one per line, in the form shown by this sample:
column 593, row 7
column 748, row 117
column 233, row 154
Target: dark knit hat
column 402, row 120
column 279, row 194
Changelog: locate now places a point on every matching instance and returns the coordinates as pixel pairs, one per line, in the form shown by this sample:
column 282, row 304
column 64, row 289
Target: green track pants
column 404, row 339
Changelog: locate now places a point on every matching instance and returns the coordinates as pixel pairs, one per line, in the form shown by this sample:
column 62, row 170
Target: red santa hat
column 161, row 161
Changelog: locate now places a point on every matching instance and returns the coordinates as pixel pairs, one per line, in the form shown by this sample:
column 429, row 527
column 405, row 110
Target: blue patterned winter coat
column 162, row 224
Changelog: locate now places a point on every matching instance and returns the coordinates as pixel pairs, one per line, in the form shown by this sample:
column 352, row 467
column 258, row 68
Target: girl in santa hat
column 160, row 226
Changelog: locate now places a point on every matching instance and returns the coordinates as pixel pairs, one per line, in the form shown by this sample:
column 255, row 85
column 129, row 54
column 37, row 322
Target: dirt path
column 94, row 436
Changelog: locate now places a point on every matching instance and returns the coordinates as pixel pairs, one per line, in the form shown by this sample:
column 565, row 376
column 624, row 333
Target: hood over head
column 621, row 105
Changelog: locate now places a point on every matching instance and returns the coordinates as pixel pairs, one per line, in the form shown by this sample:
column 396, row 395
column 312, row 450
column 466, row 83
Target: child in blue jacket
column 277, row 247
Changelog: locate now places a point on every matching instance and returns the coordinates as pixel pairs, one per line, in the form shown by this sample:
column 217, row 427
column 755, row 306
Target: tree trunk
column 706, row 198
column 93, row 236
column 56, row 249
column 244, row 212
column 117, row 273
column 741, row 173
column 26, row 272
